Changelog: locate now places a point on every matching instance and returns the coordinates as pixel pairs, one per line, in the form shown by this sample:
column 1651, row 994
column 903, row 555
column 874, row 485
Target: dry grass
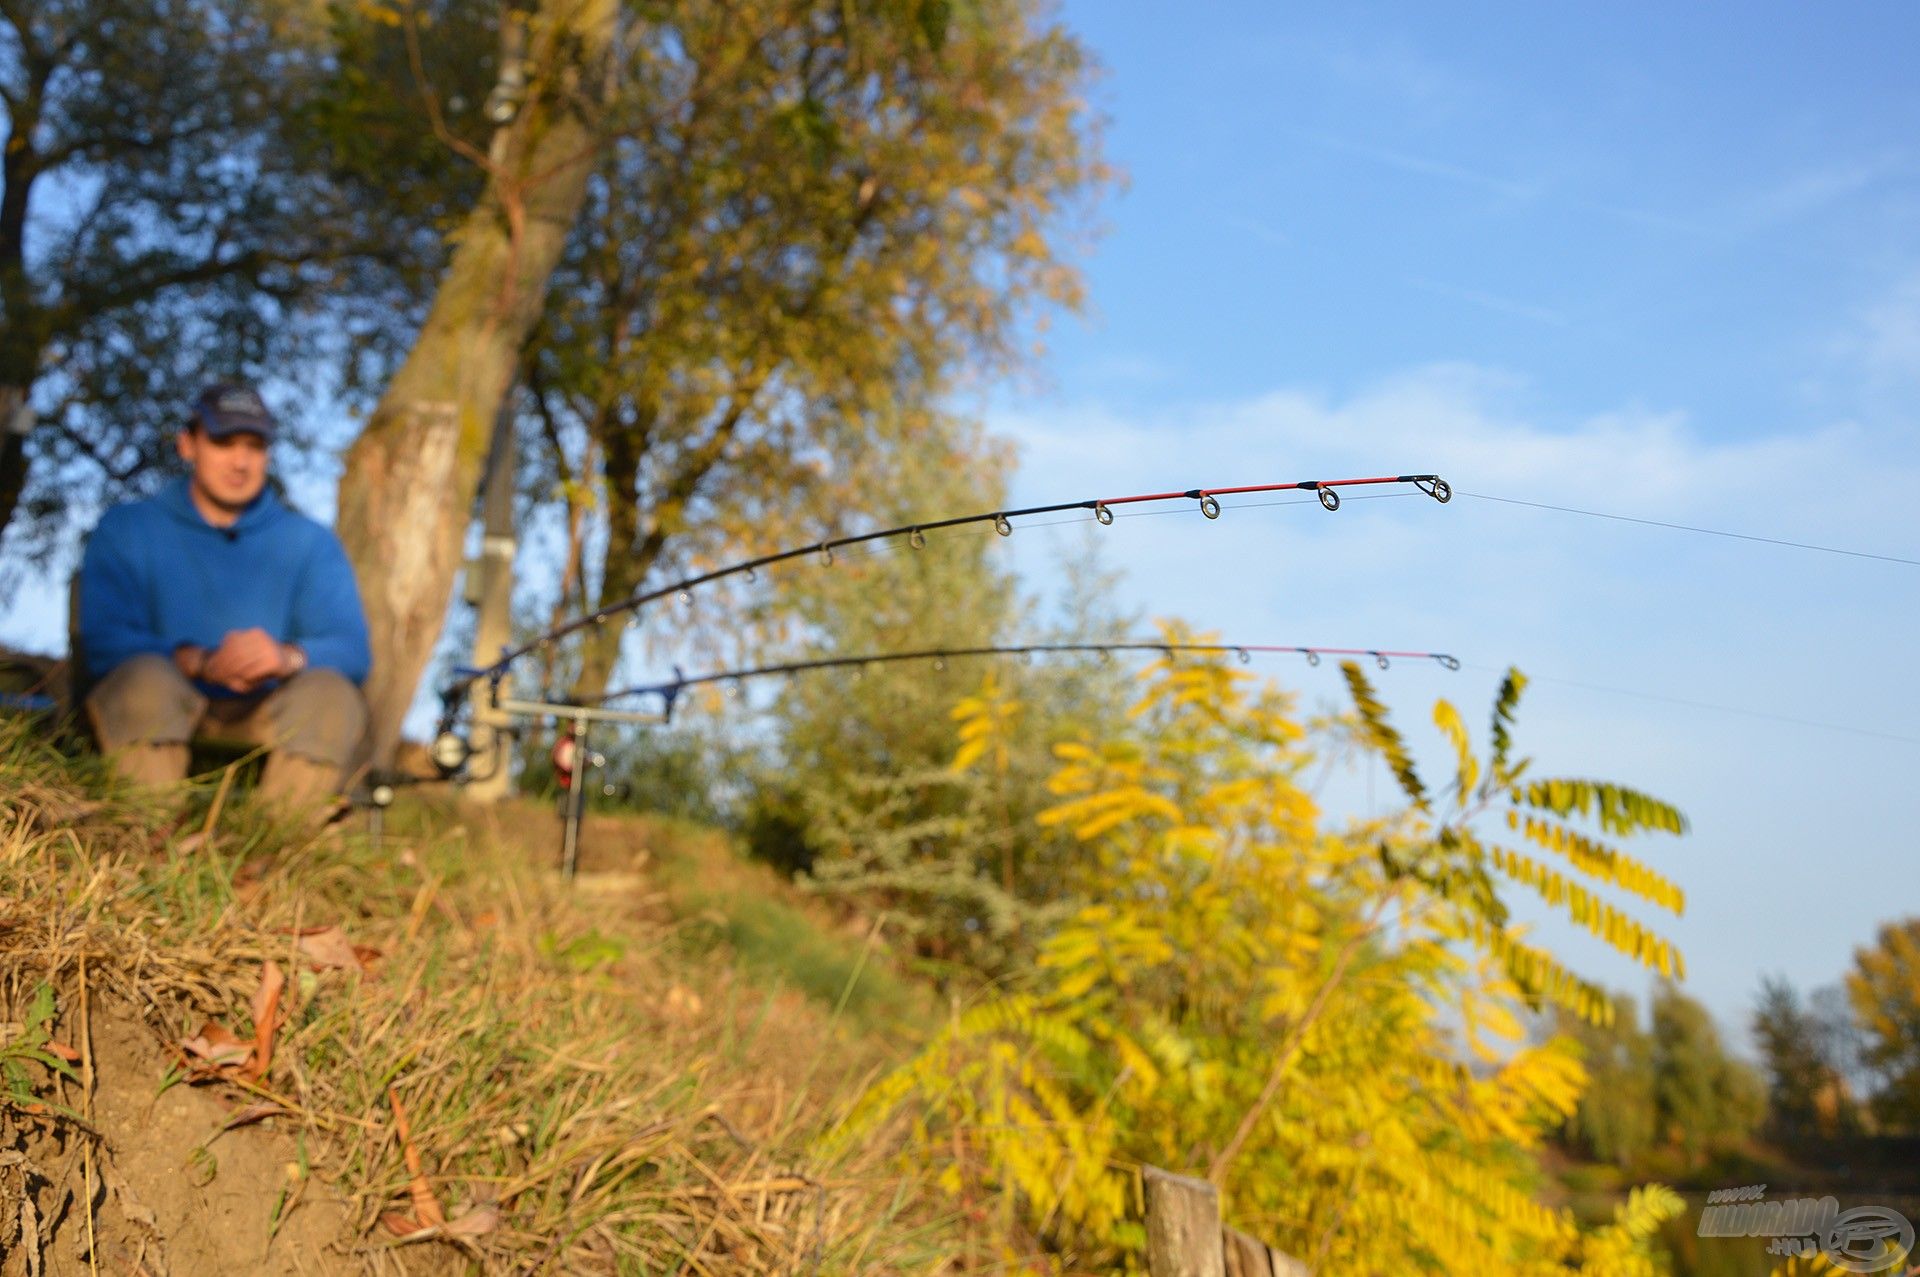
column 596, row 1062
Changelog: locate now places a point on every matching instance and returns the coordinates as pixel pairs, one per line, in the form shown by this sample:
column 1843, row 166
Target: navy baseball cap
column 226, row 409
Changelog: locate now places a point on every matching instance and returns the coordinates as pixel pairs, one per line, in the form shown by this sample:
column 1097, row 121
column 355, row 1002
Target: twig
column 219, row 802
column 1288, row 1050
column 86, row 1107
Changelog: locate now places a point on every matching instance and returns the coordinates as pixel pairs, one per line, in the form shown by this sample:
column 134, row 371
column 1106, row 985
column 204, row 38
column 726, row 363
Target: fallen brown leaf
column 64, row 1051
column 216, row 1048
column 426, row 1207
column 327, row 948
column 251, row 879
column 253, row 1113
column 475, row 1219
column 266, row 1014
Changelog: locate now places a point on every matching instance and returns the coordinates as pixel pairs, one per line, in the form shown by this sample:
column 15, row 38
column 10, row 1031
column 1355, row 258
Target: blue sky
column 1659, row 261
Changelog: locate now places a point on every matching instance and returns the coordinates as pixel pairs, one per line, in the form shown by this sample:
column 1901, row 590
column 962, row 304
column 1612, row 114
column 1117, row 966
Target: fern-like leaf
column 1448, row 720
column 1504, row 705
column 1383, row 737
column 1619, row 810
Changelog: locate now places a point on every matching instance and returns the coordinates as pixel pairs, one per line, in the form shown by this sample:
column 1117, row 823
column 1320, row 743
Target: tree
column 867, row 788
column 1616, row 1121
column 1324, row 1019
column 1807, row 1090
column 1884, row 987
column 160, row 224
column 768, row 286
column 410, row 476
column 1703, row 1097
column 802, row 217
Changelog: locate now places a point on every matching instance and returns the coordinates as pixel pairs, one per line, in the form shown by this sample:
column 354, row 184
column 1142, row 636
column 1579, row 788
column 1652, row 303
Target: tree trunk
column 15, row 462
column 22, row 325
column 620, row 569
column 629, row 555
column 411, row 475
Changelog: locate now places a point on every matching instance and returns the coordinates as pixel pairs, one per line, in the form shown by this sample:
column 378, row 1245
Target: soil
column 172, row 1194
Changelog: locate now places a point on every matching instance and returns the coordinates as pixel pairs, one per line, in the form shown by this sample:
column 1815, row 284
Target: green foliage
column 864, row 778
column 590, row 951
column 924, row 842
column 1703, row 1096
column 29, row 1045
column 1616, row 1122
column 953, row 593
column 1664, row 1094
column 178, row 222
column 807, row 221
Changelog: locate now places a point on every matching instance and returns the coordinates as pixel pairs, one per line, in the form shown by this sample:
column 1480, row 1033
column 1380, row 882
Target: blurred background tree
column 770, row 287
column 1667, row 1094
column 783, row 235
column 1704, row 1097
column 167, row 216
column 796, row 224
column 1616, row 1121
column 1805, row 1058
column 1884, row 987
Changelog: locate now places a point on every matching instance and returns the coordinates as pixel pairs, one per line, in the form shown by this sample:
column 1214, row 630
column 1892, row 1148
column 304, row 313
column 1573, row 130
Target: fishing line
column 669, row 690
column 1326, row 491
column 947, row 540
column 951, row 538
column 1685, row 527
column 1709, row 705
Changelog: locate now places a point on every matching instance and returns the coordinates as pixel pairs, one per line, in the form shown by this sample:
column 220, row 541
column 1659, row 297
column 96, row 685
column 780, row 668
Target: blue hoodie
column 157, row 575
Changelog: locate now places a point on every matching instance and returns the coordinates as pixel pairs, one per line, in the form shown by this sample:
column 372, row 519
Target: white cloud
column 1463, row 421
column 1396, row 71
column 1887, row 339
column 1492, row 301
column 1517, row 190
column 1814, row 190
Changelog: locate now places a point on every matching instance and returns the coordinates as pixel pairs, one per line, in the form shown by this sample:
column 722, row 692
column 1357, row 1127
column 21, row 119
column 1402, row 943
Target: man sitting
column 211, row 610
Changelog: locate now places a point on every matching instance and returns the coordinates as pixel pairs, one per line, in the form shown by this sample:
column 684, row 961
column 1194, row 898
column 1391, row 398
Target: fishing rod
column 1328, row 491
column 669, row 691
column 451, row 751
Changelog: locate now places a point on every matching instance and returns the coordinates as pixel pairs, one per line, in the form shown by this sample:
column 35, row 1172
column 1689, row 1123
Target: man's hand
column 244, row 660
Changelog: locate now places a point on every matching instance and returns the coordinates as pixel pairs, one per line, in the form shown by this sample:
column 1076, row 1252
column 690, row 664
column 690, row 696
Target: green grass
column 775, row 941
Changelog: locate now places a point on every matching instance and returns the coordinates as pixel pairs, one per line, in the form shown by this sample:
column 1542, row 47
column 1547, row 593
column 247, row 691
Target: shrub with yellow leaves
column 1328, row 1023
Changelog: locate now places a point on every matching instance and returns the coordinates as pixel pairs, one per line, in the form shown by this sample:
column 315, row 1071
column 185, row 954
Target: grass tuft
column 636, row 1072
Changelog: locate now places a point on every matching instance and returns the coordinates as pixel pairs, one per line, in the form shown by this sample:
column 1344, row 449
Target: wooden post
column 1183, row 1226
column 492, row 598
column 1246, row 1257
